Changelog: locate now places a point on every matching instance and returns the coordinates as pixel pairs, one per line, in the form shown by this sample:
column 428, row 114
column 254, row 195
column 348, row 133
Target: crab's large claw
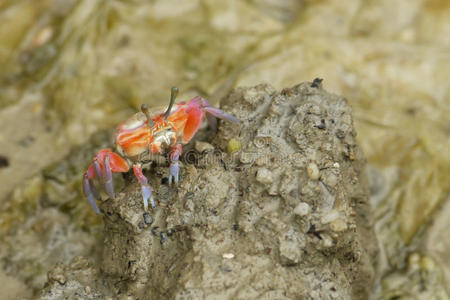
column 194, row 120
column 195, row 110
column 146, row 189
column 104, row 164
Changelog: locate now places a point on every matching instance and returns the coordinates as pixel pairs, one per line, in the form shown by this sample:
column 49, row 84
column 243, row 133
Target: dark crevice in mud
column 4, row 161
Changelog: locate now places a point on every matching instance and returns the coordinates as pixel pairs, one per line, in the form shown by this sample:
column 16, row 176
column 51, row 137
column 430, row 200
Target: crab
column 149, row 133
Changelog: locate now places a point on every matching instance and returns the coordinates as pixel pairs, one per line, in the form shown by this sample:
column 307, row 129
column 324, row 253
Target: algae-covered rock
column 223, row 232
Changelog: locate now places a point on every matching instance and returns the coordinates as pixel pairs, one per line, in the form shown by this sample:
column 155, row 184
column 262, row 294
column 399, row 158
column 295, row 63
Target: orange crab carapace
column 147, row 133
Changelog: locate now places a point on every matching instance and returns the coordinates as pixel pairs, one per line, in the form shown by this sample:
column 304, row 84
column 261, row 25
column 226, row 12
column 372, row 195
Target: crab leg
column 93, row 189
column 97, row 170
column 88, row 192
column 212, row 113
column 146, row 189
column 218, row 113
column 174, row 168
column 107, row 176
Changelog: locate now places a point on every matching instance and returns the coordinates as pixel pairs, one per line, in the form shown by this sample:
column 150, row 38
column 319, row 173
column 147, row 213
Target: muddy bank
column 281, row 214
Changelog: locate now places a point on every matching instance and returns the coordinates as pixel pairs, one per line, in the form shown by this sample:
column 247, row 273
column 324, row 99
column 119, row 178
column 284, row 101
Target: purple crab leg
column 93, row 189
column 107, row 175
column 87, row 189
column 97, row 170
column 174, row 169
column 218, row 113
column 146, row 189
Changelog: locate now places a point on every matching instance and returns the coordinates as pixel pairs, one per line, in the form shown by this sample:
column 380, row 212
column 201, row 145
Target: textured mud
column 286, row 216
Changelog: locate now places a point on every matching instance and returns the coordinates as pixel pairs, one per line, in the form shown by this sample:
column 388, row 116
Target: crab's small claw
column 88, row 192
column 146, row 189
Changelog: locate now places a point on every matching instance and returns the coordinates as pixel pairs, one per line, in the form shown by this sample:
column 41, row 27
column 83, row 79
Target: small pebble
column 203, row 147
column 87, row 289
column 338, row 225
column 228, row 255
column 330, row 179
column 302, row 209
column 264, row 176
column 327, row 241
column 313, row 171
column 148, row 218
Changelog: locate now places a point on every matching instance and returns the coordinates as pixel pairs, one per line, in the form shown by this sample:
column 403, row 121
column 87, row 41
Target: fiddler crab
column 145, row 133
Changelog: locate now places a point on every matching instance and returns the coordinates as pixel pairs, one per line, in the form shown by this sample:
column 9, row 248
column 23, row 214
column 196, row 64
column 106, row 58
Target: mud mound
column 283, row 215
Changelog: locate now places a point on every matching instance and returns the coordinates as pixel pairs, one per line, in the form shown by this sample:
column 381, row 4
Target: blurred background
column 71, row 70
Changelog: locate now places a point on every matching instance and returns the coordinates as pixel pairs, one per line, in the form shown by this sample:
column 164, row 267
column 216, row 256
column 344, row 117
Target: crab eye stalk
column 144, row 109
column 173, row 95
